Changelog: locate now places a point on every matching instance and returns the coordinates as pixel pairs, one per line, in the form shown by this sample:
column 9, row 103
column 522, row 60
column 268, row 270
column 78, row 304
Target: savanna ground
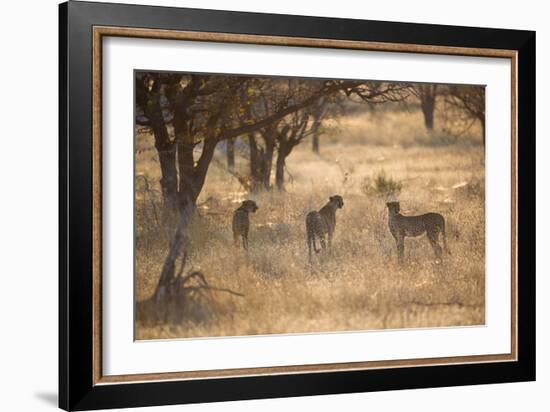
column 358, row 285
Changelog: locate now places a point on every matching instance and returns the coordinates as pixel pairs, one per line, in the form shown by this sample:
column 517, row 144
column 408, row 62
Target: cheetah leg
column 433, row 237
column 400, row 242
column 323, row 244
column 245, row 242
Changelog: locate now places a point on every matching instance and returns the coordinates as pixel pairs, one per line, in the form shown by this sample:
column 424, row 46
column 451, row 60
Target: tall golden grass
column 358, row 285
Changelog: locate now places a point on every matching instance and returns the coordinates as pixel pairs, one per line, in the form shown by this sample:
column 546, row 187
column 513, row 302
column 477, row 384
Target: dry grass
column 404, row 128
column 358, row 285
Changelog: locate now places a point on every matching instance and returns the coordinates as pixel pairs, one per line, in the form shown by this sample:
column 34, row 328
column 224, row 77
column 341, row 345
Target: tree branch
column 228, row 134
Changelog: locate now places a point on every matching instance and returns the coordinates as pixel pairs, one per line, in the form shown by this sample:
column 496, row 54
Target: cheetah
column 322, row 223
column 241, row 222
column 402, row 226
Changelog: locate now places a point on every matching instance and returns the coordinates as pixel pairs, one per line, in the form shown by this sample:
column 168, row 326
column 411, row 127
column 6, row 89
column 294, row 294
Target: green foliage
column 381, row 185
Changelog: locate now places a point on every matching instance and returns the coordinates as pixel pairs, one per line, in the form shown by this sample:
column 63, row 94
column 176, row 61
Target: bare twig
column 232, row 292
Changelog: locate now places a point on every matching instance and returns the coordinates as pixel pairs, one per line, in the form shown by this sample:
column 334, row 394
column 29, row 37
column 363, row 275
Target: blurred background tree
column 427, row 94
column 468, row 103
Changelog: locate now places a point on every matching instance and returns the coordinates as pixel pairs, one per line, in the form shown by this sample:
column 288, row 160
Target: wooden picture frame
column 82, row 385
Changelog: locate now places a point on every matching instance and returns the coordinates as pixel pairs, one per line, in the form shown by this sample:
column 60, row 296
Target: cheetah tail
column 314, row 244
column 311, row 242
column 445, row 246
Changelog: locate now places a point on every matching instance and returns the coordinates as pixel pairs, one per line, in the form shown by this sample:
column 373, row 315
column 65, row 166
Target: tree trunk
column 169, row 178
column 231, row 154
column 427, row 95
column 428, row 105
column 201, row 169
column 265, row 158
column 192, row 178
column 267, row 163
column 255, row 166
column 167, row 155
column 315, row 137
column 185, row 158
column 318, row 112
column 280, row 168
column 186, row 166
column 191, row 175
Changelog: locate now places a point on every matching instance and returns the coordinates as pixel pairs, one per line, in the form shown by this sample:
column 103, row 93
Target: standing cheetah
column 322, row 223
column 402, row 226
column 241, row 222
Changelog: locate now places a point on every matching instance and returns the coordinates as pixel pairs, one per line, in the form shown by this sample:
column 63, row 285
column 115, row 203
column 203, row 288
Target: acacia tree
column 197, row 106
column 469, row 101
column 272, row 94
column 293, row 132
column 203, row 111
column 262, row 142
column 295, row 128
column 374, row 93
column 150, row 112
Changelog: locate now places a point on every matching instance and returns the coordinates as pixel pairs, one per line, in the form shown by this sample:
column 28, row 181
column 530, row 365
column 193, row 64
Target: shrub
column 381, row 185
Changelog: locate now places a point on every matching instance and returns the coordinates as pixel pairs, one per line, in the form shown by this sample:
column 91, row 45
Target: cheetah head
column 393, row 207
column 249, row 206
column 337, row 201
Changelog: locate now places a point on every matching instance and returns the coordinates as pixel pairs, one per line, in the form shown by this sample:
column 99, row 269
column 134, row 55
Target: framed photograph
column 257, row 206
